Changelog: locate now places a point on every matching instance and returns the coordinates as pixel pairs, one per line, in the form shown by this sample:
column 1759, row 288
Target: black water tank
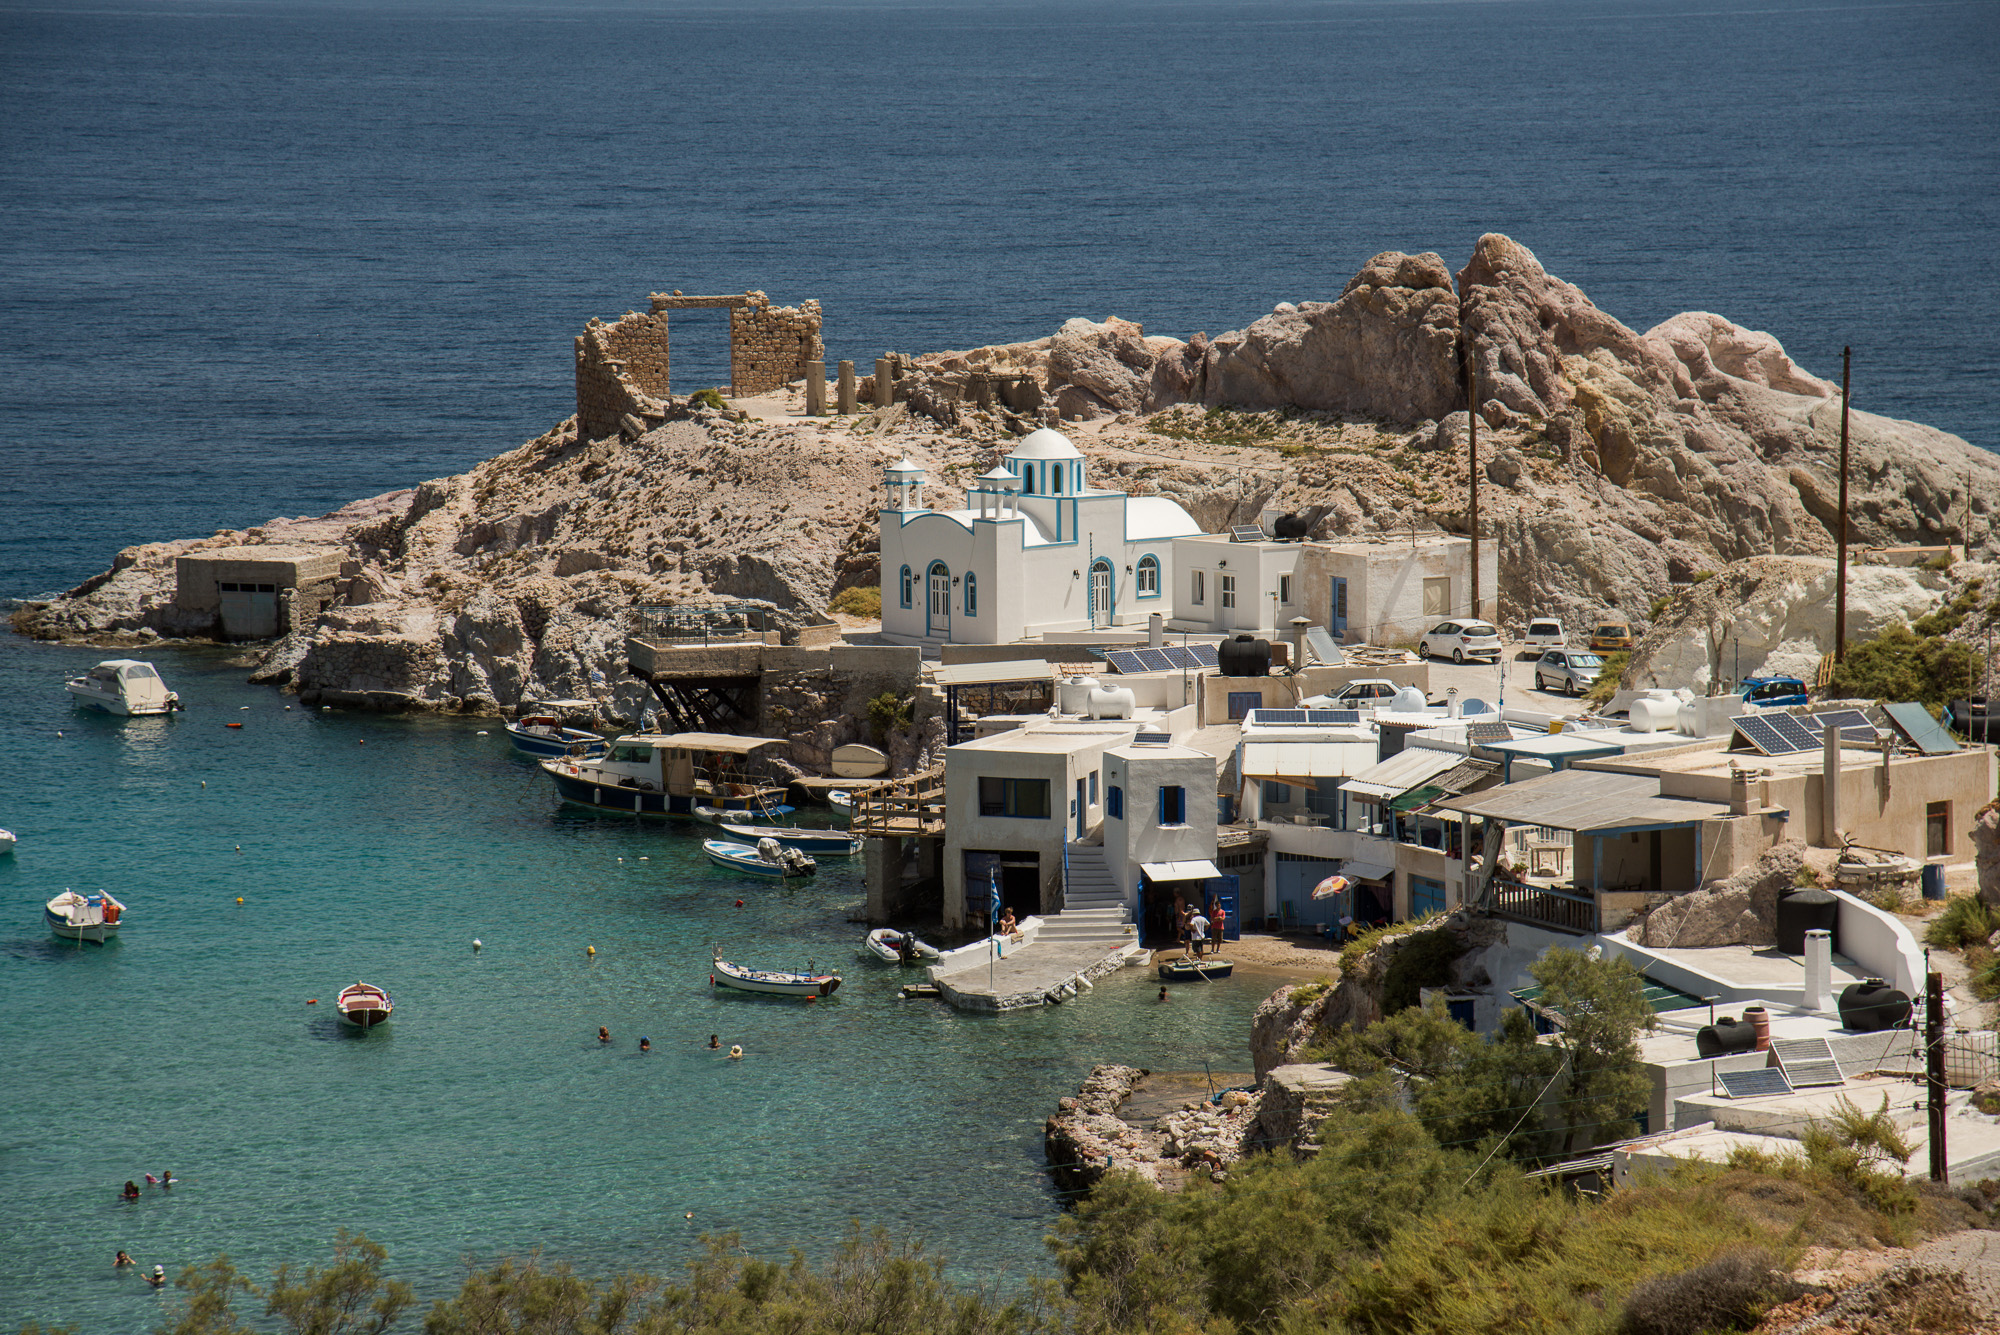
column 1872, row 1005
column 1725, row 1036
column 1244, row 657
column 1803, row 911
column 1976, row 718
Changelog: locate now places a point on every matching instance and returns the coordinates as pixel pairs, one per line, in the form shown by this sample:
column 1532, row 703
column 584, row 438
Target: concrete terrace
column 1028, row 975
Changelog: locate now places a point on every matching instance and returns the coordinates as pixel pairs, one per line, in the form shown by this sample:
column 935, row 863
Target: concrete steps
column 1093, row 906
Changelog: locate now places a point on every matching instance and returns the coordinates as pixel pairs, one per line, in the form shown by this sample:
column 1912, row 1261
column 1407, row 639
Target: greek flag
column 993, row 908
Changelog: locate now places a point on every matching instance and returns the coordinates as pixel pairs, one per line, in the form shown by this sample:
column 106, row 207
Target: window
column 1285, row 589
column 971, row 594
column 1276, row 794
column 1149, row 577
column 1173, row 806
column 1937, row 829
column 631, row 755
column 1198, row 584
column 1055, row 481
column 1114, row 802
column 908, row 592
column 1229, row 590
column 1437, row 596
column 1027, row 799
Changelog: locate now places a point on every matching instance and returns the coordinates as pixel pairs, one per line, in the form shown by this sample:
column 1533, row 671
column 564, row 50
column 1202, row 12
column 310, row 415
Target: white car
column 1460, row 640
column 1544, row 633
column 1360, row 693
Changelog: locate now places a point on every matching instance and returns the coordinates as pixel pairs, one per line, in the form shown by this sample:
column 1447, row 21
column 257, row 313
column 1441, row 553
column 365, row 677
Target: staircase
column 1093, row 909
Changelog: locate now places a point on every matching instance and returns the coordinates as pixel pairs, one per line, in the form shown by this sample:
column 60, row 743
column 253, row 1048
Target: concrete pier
column 1035, row 974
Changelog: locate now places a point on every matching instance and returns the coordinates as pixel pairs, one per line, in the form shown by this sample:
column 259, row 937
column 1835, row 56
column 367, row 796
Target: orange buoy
column 312, row 1001
column 739, row 903
column 232, row 725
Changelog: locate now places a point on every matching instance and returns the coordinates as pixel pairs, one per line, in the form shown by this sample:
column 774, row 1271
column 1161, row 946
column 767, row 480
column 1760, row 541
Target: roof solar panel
column 1266, row 716
column 1123, row 660
column 1757, row 730
column 1179, row 657
column 1807, row 1061
column 1323, row 647
column 1204, row 654
column 1795, row 731
column 1156, row 660
column 1754, row 1084
column 1245, row 533
column 1335, row 715
column 1853, row 724
column 1925, row 732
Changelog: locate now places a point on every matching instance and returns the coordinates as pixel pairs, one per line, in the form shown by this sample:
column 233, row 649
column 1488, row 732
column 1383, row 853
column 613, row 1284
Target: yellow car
column 1611, row 635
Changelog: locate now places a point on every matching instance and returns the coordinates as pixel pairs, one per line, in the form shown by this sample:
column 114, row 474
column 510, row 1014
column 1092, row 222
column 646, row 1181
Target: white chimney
column 1819, row 970
column 1156, row 631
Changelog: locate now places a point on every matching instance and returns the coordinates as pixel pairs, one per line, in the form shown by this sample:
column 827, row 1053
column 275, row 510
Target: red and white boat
column 364, row 1006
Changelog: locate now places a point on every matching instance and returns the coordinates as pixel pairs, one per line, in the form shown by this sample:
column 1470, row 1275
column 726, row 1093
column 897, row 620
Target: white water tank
column 1657, row 710
column 1409, row 700
column 1073, row 694
column 1113, row 702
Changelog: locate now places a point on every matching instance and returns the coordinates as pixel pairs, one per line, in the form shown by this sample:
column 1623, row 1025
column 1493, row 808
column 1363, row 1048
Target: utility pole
column 1840, row 575
column 1472, row 463
column 1934, row 1073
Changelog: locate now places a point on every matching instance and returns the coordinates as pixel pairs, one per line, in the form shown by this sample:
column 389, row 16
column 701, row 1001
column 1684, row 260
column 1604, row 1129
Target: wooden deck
column 903, row 809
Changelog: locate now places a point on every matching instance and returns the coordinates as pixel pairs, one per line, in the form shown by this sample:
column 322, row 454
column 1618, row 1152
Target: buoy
column 204, row 783
column 690, row 1214
column 232, row 725
column 312, row 1001
column 477, row 945
column 361, row 741
column 621, row 859
column 736, row 1050
column 645, row 859
column 288, row 709
column 739, row 903
column 239, row 848
column 590, row 950
column 239, row 899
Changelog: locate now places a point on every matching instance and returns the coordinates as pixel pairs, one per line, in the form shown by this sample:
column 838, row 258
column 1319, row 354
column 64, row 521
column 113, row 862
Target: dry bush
column 1729, row 1292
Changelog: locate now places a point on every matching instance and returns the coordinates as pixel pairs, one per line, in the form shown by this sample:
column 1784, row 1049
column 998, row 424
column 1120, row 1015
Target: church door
column 1100, row 594
column 937, row 621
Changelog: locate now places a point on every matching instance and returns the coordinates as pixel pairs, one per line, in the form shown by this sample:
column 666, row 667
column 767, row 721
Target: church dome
column 1045, row 444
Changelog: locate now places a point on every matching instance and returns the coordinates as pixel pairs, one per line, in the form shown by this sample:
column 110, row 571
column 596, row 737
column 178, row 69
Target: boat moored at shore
column 773, row 982
column 123, row 686
column 544, row 735
column 838, row 843
column 768, row 858
column 894, row 947
column 77, row 917
column 668, row 774
column 1195, row 971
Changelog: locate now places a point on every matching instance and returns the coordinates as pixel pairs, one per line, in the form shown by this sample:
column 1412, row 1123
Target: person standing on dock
column 1197, row 935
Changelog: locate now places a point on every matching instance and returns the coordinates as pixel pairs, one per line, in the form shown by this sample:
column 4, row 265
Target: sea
column 260, row 259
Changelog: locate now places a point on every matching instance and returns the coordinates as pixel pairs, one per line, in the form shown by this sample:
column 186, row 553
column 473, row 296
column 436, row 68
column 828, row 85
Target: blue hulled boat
column 544, row 735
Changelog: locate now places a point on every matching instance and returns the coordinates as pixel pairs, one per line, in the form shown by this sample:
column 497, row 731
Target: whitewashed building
column 1033, row 551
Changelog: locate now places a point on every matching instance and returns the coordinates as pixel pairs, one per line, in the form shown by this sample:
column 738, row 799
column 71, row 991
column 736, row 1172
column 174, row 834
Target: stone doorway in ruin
column 701, row 351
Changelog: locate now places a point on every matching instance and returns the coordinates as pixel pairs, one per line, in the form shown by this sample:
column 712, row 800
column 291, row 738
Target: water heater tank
column 1655, row 711
column 1073, row 694
column 1112, row 702
column 1409, row 700
column 1244, row 656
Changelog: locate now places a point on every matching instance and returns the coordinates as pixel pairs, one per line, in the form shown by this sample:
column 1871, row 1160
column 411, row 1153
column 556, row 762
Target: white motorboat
column 123, row 686
column 364, row 1006
column 841, row 801
column 768, row 858
column 894, row 947
column 544, row 735
column 7, row 841
column 772, row 982
column 75, row 917
column 837, row 842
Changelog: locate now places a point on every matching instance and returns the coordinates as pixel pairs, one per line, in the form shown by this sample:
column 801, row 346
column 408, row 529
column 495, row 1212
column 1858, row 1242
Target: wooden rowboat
column 772, row 982
column 1195, row 971
column 837, row 842
column 364, row 1006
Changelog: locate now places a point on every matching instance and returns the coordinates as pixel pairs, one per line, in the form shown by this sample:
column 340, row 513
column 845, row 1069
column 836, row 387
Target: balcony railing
column 1543, row 906
column 912, row 806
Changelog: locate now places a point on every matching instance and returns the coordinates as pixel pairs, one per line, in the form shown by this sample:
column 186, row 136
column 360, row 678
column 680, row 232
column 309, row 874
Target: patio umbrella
column 1331, row 886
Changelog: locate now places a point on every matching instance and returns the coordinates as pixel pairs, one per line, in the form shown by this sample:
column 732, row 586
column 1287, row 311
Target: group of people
column 645, row 1045
column 1201, row 933
column 157, row 1276
column 163, row 1181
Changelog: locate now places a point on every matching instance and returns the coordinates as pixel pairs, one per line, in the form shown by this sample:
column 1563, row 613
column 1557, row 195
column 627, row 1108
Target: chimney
column 1156, row 631
column 1299, row 628
column 1819, row 970
column 1739, row 792
column 1830, row 789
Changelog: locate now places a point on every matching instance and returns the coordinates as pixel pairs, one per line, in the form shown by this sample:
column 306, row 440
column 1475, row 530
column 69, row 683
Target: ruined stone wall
column 621, row 373
column 770, row 346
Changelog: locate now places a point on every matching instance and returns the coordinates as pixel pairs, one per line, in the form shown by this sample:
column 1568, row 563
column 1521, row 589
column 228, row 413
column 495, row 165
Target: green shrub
column 1965, row 921
column 1352, row 953
column 1942, row 561
column 1731, row 1292
column 1982, row 973
column 1890, row 898
column 1305, row 994
column 1949, row 617
column 1423, row 960
column 708, row 398
column 889, row 713
column 858, row 601
column 1900, row 664
column 1660, row 604
column 1607, row 677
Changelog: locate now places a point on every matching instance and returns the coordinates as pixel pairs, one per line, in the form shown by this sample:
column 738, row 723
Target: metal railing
column 1541, row 906
column 912, row 806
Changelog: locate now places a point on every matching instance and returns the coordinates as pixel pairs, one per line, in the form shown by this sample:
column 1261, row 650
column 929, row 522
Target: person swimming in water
column 714, row 1043
column 122, row 1261
column 131, row 1192
column 603, row 1034
column 645, row 1044
column 167, row 1178
column 158, row 1279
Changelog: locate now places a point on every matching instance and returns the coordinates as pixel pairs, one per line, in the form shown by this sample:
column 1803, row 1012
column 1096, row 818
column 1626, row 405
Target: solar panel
column 1794, row 730
column 1925, row 733
column 1156, row 660
column 1757, row 730
column 1485, row 734
column 1264, row 716
column 1335, row 715
column 1754, row 1084
column 1123, row 660
column 1204, row 654
column 1853, row 724
column 1152, row 739
column 1180, row 658
column 1323, row 647
column 1807, row 1062
column 1245, row 533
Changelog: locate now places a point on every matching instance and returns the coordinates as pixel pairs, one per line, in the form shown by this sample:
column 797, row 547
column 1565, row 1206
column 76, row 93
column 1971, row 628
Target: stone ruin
column 623, row 378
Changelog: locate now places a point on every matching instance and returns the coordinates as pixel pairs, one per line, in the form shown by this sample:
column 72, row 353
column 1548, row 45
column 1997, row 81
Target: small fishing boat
column 123, row 686
column 7, row 841
column 669, row 774
column 773, row 982
column 841, row 801
column 364, row 1006
column 1194, row 971
column 822, row 842
column 768, row 858
column 544, row 735
column 894, row 947
column 75, row 917
column 717, row 815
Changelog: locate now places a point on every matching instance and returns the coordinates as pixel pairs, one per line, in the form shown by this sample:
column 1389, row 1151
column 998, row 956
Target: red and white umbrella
column 1331, row 886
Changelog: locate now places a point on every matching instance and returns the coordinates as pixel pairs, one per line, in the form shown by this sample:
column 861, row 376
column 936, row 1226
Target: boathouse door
column 1100, row 594
column 1336, row 614
column 937, row 619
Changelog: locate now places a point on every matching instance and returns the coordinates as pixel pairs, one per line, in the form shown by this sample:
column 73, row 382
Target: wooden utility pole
column 1472, row 463
column 1936, row 1090
column 1840, row 574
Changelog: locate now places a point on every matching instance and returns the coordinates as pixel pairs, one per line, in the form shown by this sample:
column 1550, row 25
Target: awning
column 1401, row 772
column 1366, row 871
column 1419, row 797
column 1306, row 760
column 1587, row 802
column 1195, row 870
column 994, row 674
column 1460, row 778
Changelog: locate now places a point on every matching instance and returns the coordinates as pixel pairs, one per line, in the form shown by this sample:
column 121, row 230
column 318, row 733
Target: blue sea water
column 262, row 258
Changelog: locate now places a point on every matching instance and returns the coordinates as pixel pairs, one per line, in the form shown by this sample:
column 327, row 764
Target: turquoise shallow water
column 486, row 1120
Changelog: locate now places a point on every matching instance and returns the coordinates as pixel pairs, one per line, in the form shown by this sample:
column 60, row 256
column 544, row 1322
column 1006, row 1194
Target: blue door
column 1223, row 888
column 1426, row 896
column 1336, row 615
column 1082, row 809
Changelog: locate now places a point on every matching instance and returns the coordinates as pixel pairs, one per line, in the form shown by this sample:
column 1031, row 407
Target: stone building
column 256, row 593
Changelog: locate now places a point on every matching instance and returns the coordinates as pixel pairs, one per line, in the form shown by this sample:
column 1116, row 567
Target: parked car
column 1460, row 640
column 1774, row 692
column 1570, row 671
column 1544, row 633
column 1611, row 635
column 1360, row 693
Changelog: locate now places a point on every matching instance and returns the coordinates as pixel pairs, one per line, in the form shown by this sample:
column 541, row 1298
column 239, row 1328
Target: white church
column 1034, row 551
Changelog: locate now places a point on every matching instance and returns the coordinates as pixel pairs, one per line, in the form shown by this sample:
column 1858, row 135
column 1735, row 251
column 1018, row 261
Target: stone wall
column 623, row 369
column 770, row 346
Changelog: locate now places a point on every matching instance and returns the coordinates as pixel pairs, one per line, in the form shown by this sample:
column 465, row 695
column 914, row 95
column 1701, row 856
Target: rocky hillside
column 1615, row 464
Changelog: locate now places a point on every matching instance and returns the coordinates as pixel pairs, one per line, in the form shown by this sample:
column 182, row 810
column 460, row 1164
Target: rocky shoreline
column 1618, row 466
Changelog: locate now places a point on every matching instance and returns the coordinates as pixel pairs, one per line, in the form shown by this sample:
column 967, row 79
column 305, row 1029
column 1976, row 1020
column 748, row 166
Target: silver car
column 1460, row 640
column 1571, row 671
